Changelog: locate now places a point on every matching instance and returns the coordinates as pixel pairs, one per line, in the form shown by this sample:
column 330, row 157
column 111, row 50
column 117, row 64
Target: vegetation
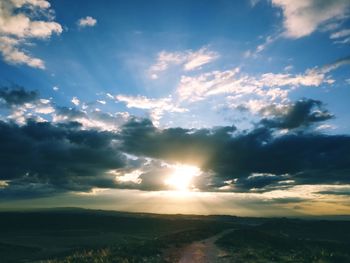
column 289, row 241
column 81, row 236
column 97, row 236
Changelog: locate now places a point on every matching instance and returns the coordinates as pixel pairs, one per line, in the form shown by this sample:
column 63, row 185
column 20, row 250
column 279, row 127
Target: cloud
column 18, row 28
column 267, row 85
column 269, row 40
column 17, row 96
column 150, row 175
column 344, row 192
column 260, row 94
column 20, row 24
column 24, row 104
column 311, row 77
column 46, row 158
column 13, row 55
column 302, row 113
column 194, row 88
column 201, row 57
column 58, row 157
column 190, row 60
column 91, row 120
column 335, row 65
column 340, row 34
column 75, row 101
column 156, row 107
column 80, row 150
column 87, row 22
column 302, row 18
column 103, row 102
column 249, row 160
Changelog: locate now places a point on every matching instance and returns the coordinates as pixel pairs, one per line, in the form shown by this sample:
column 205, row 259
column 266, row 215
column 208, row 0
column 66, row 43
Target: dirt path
column 204, row 251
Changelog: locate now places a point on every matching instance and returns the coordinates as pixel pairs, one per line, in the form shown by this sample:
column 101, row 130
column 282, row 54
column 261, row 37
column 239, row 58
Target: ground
column 75, row 235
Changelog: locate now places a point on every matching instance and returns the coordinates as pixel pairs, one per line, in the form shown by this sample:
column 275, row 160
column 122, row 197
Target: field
column 76, row 235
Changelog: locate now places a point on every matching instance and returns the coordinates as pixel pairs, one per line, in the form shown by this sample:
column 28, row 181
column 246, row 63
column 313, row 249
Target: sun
column 181, row 177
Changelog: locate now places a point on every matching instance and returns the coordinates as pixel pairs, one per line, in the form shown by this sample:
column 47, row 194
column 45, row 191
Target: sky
column 196, row 107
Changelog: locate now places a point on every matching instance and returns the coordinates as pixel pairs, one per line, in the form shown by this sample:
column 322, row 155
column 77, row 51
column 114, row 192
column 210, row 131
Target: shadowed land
column 77, row 235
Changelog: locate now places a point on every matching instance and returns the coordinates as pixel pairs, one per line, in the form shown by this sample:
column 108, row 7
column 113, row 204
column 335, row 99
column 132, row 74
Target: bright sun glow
column 181, row 177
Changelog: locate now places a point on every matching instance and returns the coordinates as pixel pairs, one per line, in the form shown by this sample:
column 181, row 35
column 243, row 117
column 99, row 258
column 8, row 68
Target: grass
column 74, row 236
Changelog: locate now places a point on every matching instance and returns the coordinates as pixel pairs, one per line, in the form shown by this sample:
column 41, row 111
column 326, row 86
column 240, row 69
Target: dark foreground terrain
column 76, row 235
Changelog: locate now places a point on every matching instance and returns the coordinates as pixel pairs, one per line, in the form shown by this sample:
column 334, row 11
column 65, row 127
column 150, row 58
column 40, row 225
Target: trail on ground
column 204, row 251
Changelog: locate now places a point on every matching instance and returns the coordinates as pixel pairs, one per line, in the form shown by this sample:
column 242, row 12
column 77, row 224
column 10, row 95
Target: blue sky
column 179, row 64
column 115, row 54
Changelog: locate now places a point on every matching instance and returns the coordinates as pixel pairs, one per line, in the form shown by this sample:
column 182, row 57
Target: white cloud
column 344, row 41
column 87, row 21
column 109, row 96
column 260, row 94
column 203, row 85
column 20, row 24
column 55, row 88
column 269, row 40
column 190, row 60
column 75, row 101
column 32, row 110
column 44, row 109
column 133, row 176
column 92, row 119
column 13, row 55
column 165, row 59
column 301, row 18
column 101, row 102
column 288, row 68
column 156, row 107
column 309, row 78
column 325, row 127
column 39, row 3
column 201, row 57
column 18, row 28
column 333, row 66
column 195, row 88
column 340, row 34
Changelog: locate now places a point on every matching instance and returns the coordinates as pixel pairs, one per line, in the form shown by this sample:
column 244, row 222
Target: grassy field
column 290, row 241
column 75, row 235
column 80, row 235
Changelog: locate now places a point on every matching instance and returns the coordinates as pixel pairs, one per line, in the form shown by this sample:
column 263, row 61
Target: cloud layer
column 71, row 153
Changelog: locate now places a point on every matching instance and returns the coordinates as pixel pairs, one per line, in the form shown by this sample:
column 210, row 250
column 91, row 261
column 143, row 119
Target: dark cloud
column 311, row 158
column 61, row 157
column 152, row 176
column 141, row 137
column 42, row 158
column 259, row 181
column 302, row 113
column 96, row 119
column 16, row 96
column 70, row 113
column 344, row 192
column 286, row 200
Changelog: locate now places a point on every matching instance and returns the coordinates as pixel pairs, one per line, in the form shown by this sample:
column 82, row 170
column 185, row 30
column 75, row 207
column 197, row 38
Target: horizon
column 63, row 209
column 176, row 107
